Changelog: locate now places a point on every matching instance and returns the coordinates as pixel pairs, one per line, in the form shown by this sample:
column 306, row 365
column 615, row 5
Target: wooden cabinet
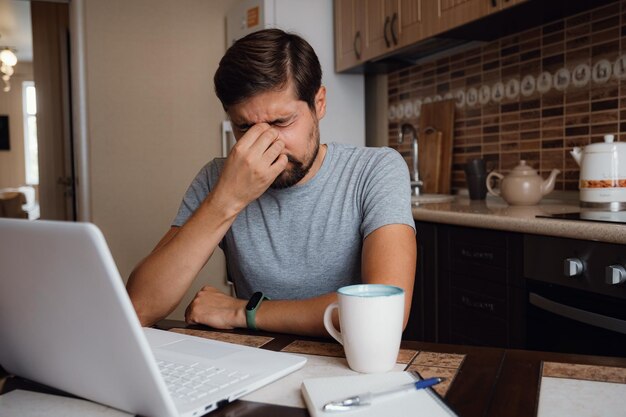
column 368, row 29
column 349, row 33
column 481, row 288
column 444, row 15
column 422, row 323
column 469, row 287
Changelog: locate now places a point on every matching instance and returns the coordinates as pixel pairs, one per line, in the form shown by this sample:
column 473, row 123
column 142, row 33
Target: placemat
column 428, row 364
column 335, row 350
column 431, row 364
column 238, row 339
column 569, row 389
column 584, row 372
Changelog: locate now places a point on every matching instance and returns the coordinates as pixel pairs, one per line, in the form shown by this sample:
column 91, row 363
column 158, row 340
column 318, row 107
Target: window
column 29, row 99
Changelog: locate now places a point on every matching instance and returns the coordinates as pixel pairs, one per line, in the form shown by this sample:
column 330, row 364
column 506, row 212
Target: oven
column 576, row 296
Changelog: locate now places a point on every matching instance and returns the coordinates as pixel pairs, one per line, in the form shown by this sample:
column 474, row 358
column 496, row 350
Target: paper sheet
column 561, row 397
column 320, row 391
column 34, row 404
column 286, row 391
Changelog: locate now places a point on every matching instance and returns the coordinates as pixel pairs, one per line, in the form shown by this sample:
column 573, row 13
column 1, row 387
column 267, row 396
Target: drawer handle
column 385, row 28
column 480, row 305
column 477, row 255
column 357, row 44
column 393, row 27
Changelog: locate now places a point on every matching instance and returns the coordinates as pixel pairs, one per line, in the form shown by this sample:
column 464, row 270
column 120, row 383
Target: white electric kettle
column 602, row 174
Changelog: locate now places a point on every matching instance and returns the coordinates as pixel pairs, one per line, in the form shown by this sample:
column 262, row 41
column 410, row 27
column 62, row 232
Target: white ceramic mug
column 371, row 318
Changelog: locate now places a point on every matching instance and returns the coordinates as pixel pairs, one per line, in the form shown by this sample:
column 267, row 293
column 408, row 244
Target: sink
column 431, row 198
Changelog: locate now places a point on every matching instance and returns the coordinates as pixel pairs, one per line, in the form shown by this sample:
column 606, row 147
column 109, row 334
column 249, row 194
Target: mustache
column 291, row 159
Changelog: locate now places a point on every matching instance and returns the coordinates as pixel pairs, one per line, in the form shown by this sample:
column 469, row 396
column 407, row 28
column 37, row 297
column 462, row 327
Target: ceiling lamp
column 7, row 62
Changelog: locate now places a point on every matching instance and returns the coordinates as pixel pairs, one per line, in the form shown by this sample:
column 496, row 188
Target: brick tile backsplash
column 533, row 95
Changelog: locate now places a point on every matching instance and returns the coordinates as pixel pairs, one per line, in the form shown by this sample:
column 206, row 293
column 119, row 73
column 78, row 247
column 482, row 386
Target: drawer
column 474, row 304
column 477, row 328
column 466, row 253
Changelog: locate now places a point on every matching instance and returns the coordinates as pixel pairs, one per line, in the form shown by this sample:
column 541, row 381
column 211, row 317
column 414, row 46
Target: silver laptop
column 66, row 321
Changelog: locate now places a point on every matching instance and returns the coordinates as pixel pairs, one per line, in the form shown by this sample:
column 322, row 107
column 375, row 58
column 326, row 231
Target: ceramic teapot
column 523, row 186
column 602, row 173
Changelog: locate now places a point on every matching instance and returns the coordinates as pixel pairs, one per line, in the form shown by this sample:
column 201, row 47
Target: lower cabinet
column 469, row 287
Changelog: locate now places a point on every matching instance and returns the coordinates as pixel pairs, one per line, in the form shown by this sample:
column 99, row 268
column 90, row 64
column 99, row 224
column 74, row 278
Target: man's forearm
column 302, row 317
column 160, row 281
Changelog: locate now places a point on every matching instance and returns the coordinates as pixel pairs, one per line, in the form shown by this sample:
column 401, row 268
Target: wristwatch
column 252, row 307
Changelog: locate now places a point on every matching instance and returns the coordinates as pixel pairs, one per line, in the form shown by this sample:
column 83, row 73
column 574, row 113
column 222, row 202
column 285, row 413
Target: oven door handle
column 583, row 316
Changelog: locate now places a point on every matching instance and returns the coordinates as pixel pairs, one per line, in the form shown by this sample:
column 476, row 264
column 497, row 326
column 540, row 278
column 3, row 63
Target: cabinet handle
column 357, row 44
column 477, row 255
column 480, row 305
column 385, row 32
column 394, row 28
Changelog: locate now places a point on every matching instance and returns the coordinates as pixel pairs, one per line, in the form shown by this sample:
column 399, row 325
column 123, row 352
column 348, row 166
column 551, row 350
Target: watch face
column 254, row 300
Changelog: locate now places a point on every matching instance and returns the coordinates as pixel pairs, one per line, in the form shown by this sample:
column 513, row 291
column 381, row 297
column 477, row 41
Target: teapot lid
column 608, row 145
column 523, row 170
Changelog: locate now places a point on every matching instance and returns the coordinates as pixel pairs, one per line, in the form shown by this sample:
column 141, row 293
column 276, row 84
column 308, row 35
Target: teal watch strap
column 252, row 307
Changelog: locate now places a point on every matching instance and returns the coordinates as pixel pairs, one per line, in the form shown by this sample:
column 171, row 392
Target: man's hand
column 216, row 309
column 252, row 165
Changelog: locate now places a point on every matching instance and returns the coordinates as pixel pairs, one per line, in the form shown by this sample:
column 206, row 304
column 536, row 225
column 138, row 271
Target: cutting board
column 436, row 133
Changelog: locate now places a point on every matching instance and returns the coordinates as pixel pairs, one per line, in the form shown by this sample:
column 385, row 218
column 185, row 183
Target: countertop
column 495, row 213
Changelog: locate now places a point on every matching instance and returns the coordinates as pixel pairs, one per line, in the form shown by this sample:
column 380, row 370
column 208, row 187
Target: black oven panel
column 576, row 297
column 595, row 267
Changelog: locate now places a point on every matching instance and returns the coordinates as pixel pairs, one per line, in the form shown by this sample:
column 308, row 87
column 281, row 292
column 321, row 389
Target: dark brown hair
column 265, row 61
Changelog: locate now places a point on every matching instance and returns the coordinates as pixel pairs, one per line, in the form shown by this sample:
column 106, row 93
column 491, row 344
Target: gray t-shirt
column 306, row 240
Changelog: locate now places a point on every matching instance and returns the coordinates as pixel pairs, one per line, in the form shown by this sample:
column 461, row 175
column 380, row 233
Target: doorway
column 40, row 160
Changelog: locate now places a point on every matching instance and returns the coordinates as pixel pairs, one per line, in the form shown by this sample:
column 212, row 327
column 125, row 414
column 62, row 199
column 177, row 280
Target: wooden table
column 492, row 382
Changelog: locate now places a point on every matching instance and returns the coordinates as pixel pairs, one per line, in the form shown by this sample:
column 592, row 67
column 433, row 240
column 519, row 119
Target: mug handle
column 492, row 191
column 328, row 322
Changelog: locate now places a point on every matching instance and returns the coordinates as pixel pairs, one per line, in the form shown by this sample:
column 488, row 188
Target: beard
column 297, row 169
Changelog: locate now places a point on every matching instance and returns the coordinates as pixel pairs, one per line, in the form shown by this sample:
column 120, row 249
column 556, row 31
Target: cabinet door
column 410, row 22
column 443, row 15
column 505, row 4
column 392, row 24
column 377, row 34
column 481, row 288
column 422, row 323
column 349, row 34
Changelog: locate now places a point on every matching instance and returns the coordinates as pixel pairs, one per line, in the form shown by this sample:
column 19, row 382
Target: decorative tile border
column 335, row 350
column 238, row 339
column 532, row 95
column 584, row 372
column 431, row 364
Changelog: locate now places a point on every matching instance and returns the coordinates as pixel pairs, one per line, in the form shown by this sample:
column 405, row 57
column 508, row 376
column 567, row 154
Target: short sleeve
column 387, row 193
column 198, row 190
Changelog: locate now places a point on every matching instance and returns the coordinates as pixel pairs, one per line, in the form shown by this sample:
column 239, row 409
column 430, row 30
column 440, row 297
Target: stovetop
column 590, row 216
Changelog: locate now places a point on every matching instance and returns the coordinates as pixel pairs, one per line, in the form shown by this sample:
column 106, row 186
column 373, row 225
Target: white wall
column 345, row 114
column 313, row 20
column 153, row 118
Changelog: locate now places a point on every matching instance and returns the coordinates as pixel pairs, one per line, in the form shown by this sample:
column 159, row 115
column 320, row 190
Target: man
column 296, row 220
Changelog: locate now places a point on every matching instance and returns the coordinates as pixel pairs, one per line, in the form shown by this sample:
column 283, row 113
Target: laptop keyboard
column 188, row 383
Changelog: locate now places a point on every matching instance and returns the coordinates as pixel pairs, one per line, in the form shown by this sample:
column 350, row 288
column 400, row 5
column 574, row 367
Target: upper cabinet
column 370, row 29
column 367, row 29
column 349, row 33
column 447, row 14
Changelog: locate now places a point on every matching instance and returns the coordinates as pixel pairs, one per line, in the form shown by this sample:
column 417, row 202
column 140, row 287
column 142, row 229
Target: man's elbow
column 145, row 312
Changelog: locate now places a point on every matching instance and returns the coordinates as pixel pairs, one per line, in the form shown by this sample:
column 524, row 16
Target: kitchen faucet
column 416, row 183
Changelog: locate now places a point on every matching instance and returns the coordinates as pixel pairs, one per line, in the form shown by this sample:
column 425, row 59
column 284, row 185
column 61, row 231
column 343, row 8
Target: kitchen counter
column 495, row 213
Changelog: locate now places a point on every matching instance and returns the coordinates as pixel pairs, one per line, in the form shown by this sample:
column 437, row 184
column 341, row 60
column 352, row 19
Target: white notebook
column 319, row 391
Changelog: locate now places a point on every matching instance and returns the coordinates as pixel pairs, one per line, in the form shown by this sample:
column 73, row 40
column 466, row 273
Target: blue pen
column 367, row 398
